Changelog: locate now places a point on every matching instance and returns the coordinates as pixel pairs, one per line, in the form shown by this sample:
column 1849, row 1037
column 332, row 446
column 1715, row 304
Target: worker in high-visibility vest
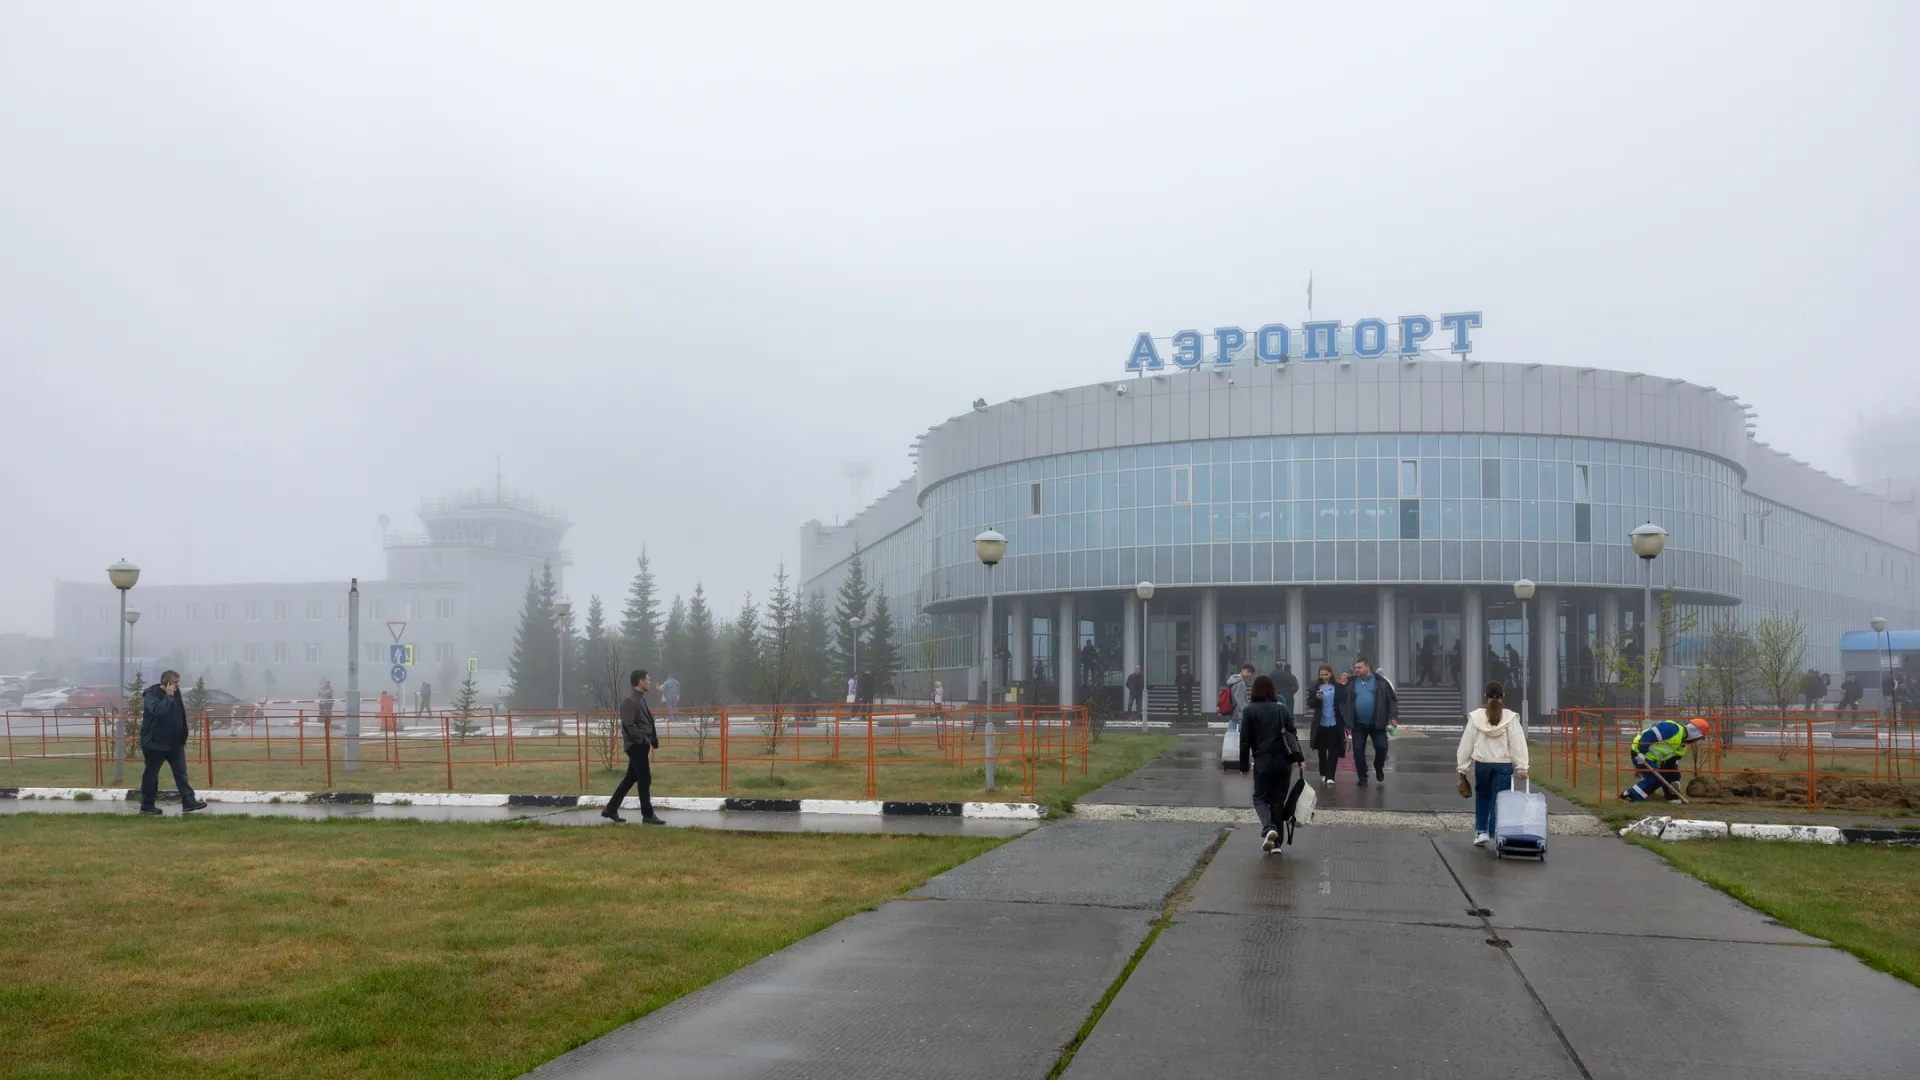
column 1656, row 755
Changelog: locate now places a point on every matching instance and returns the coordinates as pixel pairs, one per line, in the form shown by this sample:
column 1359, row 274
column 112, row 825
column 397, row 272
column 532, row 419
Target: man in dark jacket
column 1184, row 687
column 1373, row 706
column 1285, row 682
column 1136, row 689
column 163, row 738
column 641, row 739
column 864, row 687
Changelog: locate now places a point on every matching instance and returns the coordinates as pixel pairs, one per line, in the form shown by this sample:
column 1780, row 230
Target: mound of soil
column 1833, row 792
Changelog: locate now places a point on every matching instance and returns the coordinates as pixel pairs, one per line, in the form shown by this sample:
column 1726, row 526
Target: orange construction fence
column 268, row 749
column 1769, row 755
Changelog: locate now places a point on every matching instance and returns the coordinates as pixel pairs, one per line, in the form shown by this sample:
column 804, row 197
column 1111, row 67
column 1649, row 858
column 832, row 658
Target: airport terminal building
column 1319, row 500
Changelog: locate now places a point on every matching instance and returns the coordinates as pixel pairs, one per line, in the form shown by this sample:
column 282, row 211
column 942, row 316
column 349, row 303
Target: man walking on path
column 425, row 704
column 1184, row 685
column 637, row 732
column 1851, row 692
column 1375, row 707
column 1286, row 683
column 163, row 738
column 864, row 689
column 1240, row 689
column 1136, row 688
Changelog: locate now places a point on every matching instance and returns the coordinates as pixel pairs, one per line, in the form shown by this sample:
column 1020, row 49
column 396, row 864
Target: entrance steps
column 1437, row 706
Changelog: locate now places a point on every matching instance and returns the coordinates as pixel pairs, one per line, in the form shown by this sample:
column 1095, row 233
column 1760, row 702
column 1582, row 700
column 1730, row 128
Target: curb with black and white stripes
column 858, row 807
column 1670, row 828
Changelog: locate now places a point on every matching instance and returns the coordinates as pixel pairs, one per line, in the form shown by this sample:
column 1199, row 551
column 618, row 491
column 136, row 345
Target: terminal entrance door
column 1338, row 642
column 1431, row 644
column 1256, row 643
column 1169, row 645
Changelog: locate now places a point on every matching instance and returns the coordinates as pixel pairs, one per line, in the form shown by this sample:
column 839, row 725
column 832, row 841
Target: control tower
column 482, row 544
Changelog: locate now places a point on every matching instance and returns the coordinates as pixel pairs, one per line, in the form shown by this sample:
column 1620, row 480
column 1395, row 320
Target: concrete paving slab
column 1371, row 875
column 1101, row 863
column 1187, row 775
column 1714, row 1010
column 1232, row 997
column 1602, row 886
column 952, row 991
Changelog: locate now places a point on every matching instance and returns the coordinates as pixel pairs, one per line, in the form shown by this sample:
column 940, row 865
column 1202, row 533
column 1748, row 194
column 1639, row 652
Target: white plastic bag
column 1304, row 806
column 1520, row 813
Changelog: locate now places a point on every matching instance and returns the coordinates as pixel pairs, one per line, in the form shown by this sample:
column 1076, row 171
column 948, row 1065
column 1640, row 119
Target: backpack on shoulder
column 1224, row 703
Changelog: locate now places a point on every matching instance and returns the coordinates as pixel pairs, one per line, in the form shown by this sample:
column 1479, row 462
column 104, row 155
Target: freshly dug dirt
column 1832, row 792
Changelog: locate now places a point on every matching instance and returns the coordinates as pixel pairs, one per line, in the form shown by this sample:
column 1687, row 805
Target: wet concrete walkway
column 759, row 821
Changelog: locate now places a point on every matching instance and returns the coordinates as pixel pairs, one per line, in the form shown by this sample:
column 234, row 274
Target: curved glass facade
column 1340, row 508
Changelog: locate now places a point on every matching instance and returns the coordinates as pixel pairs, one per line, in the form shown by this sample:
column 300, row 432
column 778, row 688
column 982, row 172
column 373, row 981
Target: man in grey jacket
column 641, row 739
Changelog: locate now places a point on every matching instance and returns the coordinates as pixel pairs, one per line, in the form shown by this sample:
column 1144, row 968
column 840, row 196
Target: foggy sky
column 270, row 270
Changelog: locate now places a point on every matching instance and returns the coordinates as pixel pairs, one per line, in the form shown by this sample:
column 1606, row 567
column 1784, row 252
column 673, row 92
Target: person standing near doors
column 1373, row 707
column 642, row 739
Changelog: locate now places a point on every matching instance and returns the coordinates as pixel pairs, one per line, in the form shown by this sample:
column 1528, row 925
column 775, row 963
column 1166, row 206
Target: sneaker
column 651, row 819
column 1380, row 775
column 1480, row 839
column 613, row 815
column 1270, row 841
column 197, row 804
column 150, row 810
column 1362, row 781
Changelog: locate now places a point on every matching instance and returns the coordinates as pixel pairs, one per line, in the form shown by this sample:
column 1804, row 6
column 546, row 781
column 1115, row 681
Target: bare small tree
column 1624, row 658
column 1725, row 680
column 1779, row 662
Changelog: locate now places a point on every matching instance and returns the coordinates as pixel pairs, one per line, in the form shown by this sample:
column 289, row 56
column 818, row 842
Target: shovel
column 1665, row 783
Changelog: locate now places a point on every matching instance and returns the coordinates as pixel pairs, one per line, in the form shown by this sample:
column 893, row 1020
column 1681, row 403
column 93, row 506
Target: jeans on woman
column 1490, row 778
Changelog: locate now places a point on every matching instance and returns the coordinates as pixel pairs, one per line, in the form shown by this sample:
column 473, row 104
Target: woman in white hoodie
column 1493, row 751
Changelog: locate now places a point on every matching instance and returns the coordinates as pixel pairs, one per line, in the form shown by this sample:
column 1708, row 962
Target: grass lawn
column 550, row 766
column 1862, row 898
column 235, row 947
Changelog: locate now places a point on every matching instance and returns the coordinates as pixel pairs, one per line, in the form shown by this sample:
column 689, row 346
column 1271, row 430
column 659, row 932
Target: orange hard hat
column 1701, row 724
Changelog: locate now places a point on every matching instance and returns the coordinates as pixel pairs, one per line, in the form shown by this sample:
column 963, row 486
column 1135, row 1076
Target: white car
column 46, row 700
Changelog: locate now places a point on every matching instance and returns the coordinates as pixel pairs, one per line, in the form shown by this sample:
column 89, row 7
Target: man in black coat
column 641, row 739
column 1285, row 682
column 163, row 738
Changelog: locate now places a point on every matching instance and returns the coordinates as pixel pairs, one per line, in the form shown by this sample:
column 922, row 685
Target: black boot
column 150, row 810
column 613, row 815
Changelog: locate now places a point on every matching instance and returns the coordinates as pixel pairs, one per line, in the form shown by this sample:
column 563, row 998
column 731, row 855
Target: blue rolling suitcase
column 1520, row 824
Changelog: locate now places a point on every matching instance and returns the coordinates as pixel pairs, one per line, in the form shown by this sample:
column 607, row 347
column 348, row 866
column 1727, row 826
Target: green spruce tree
column 673, row 647
column 851, row 604
column 699, row 684
column 743, row 653
column 465, row 704
column 777, row 669
column 600, row 661
column 197, row 699
column 531, row 667
column 880, row 653
column 640, row 621
column 819, row 679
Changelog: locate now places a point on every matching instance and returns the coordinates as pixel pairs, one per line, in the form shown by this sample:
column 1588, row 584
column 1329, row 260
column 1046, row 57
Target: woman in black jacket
column 1327, row 717
column 1265, row 727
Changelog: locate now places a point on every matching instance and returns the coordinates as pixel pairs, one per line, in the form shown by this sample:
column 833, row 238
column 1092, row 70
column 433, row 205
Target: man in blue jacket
column 163, row 738
column 1374, row 707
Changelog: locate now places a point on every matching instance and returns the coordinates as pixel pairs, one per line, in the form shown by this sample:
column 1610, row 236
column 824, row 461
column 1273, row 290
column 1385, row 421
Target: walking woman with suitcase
column 1493, row 751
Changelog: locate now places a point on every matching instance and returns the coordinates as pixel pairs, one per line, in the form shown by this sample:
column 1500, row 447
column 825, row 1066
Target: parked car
column 93, row 699
column 223, row 709
column 46, row 700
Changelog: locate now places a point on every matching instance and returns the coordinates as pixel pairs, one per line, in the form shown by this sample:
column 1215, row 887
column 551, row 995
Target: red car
column 93, row 699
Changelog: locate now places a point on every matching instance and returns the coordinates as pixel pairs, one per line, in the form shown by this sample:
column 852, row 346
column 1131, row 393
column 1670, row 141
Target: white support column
column 1022, row 638
column 1067, row 638
column 1473, row 647
column 1206, row 634
column 1130, row 642
column 1609, row 631
column 1297, row 637
column 1388, row 638
column 1546, row 636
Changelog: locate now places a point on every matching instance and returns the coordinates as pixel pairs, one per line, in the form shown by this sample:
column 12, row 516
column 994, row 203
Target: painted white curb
column 1669, row 828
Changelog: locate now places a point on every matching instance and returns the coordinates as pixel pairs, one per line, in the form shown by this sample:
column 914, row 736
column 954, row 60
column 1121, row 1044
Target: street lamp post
column 1144, row 590
column 124, row 575
column 1649, row 541
column 561, row 609
column 1523, row 589
column 856, row 622
column 991, row 547
column 1880, row 625
column 132, row 617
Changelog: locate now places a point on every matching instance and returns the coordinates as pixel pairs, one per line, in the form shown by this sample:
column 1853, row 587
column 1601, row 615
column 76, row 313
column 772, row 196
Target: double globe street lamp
column 1649, row 541
column 123, row 575
column 991, row 547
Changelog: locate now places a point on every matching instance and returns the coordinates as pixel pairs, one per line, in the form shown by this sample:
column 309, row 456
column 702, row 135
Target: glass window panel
column 1128, row 533
column 1389, row 560
column 1163, row 486
column 1323, row 447
column 1343, row 478
column 1343, row 446
column 1470, row 519
column 1368, row 472
column 1409, row 446
column 1222, row 521
column 1563, row 522
column 1529, row 520
column 1282, row 518
column 1222, row 483
column 1429, row 446
column 1242, row 521
column 1303, row 479
column 1450, row 561
column 1529, row 480
column 1349, row 562
column 1490, row 478
column 1182, row 526
column 1282, row 489
column 1409, row 519
column 1163, row 524
column 1430, row 519
column 1323, row 478
column 1582, row 484
column 1509, row 519
column 1261, row 481
column 1409, row 479
column 1450, row 519
column 1076, row 535
column 1263, row 521
column 1323, row 568
column 1242, row 562
column 1202, row 485
column 1450, row 478
column 1509, row 446
column 1369, row 561
column 1262, row 562
column 1349, row 519
column 1429, row 476
column 1528, row 448
column 1582, row 522
column 1282, row 449
column 1240, row 449
column 1563, row 481
column 1109, row 529
column 1325, row 526
column 1199, row 454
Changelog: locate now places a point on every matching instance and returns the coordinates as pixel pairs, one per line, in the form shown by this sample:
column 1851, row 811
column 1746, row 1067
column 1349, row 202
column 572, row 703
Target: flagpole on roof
column 1309, row 296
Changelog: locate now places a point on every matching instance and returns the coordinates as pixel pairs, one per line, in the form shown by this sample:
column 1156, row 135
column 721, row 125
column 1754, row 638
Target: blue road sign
column 397, row 655
column 399, row 674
